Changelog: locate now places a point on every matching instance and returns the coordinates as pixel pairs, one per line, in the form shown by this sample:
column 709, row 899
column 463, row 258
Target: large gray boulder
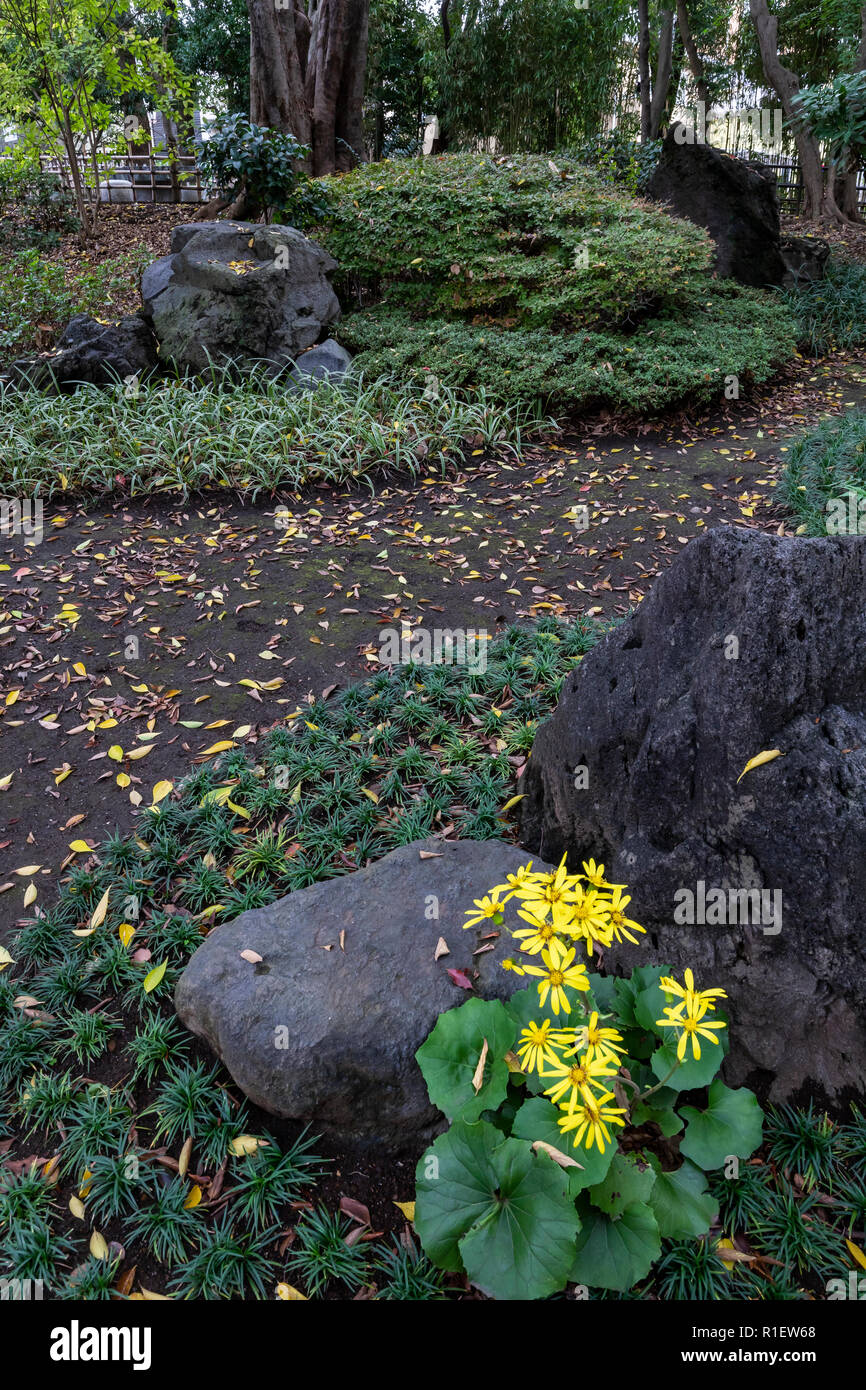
column 325, row 1028
column 735, row 200
column 238, row 291
column 748, row 643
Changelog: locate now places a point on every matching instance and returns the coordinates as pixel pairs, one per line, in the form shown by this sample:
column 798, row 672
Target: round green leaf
column 731, row 1124
column 494, row 1208
column 682, row 1205
column 536, row 1119
column 449, row 1057
column 615, row 1254
column 691, row 1075
column 453, row 1189
column 629, row 1179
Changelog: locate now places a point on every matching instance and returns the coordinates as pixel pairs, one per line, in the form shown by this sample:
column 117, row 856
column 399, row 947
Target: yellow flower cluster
column 580, row 1062
column 562, row 910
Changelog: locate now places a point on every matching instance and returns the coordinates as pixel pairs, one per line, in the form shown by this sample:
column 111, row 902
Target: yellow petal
column 759, row 760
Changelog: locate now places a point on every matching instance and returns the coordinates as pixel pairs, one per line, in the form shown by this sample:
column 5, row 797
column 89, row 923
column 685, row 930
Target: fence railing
column 155, row 177
column 789, row 179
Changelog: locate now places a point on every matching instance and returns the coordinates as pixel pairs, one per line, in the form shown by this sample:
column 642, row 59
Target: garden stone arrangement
column 239, row 292
column 737, row 654
column 232, row 294
column 318, row 1003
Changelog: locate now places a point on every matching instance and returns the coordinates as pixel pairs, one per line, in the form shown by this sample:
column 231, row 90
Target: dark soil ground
column 187, row 624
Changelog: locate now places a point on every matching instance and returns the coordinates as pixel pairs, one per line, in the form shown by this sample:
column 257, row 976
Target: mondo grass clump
column 824, row 481
column 538, row 280
column 830, row 313
column 250, row 432
column 154, row 1173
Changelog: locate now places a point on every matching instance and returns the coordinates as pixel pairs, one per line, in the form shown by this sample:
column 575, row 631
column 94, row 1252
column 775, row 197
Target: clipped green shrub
column 824, row 482
column 536, row 278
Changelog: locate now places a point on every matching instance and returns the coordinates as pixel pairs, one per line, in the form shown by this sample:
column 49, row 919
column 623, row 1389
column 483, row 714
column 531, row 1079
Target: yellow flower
column 546, row 889
column 617, row 920
column 589, row 918
column 536, row 937
column 489, row 909
column 594, row 874
column 598, row 1042
column 692, row 1024
column 510, row 964
column 689, row 994
column 576, row 1078
column 535, row 1046
column 589, row 1121
column 517, row 880
column 559, row 972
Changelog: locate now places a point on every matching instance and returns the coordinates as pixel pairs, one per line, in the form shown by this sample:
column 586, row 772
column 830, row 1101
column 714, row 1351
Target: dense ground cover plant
column 537, row 278
column 546, row 1175
column 38, row 297
column 824, row 481
column 251, row 434
column 434, row 746
column 428, row 742
column 831, row 313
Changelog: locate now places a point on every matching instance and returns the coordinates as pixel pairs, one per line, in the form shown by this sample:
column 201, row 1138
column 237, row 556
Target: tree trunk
column 307, row 76
column 335, row 83
column 818, row 202
column 696, row 65
column 279, row 38
column 664, row 68
column 850, row 204
column 643, row 69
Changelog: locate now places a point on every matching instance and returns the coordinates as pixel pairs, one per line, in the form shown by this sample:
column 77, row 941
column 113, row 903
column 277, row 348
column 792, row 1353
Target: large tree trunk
column 818, row 201
column 696, row 64
column 643, row 68
column 279, row 37
column 664, row 68
column 307, row 75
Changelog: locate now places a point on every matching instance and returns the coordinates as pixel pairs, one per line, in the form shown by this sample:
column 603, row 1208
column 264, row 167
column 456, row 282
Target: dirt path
column 136, row 636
